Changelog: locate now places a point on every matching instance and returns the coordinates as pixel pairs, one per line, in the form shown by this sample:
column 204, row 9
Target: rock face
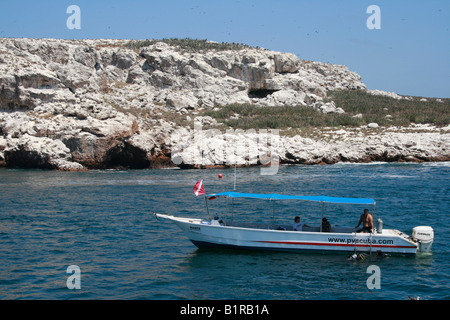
column 417, row 143
column 80, row 104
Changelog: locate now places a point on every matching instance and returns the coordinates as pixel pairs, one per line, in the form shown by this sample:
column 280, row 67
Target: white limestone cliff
column 76, row 104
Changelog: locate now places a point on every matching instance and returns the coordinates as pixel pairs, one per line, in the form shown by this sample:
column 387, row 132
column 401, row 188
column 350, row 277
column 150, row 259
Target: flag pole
column 207, row 208
column 198, row 190
column 234, row 189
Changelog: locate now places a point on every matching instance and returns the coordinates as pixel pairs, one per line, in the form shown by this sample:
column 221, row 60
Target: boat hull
column 202, row 233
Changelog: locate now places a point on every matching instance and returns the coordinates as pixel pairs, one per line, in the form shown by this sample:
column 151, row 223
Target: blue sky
column 408, row 55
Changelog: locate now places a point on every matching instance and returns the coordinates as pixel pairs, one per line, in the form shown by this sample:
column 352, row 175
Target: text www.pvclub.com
column 360, row 241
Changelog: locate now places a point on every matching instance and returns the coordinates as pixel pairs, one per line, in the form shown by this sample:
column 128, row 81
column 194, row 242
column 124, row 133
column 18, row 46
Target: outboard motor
column 424, row 235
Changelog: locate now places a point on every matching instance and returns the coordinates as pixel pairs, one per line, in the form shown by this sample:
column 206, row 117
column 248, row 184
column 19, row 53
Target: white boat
column 219, row 233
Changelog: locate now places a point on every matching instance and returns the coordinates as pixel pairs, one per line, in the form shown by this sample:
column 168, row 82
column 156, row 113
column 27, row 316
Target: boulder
column 39, row 152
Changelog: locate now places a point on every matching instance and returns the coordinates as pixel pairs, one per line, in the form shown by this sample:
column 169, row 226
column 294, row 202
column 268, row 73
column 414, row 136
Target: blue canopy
column 274, row 196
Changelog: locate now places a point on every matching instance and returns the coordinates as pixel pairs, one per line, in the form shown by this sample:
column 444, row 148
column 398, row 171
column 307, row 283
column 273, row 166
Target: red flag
column 198, row 188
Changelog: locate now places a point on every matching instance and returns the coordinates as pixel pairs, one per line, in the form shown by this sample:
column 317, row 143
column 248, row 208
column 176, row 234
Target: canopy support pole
column 273, row 213
column 373, row 229
column 321, row 219
column 234, row 187
column 232, row 210
column 373, row 215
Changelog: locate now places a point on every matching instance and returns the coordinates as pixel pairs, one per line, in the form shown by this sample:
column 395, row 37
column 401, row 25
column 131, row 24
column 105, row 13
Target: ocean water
column 102, row 222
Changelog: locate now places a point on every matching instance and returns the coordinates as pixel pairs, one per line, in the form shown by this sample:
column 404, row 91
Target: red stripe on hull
column 338, row 244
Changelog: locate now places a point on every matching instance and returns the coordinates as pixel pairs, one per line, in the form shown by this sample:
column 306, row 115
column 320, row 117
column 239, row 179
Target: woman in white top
column 298, row 226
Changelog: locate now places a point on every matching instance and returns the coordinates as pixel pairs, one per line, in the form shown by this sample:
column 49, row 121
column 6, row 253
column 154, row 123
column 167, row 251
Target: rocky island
column 97, row 104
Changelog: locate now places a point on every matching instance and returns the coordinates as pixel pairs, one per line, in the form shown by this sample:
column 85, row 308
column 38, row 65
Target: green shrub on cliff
column 188, row 45
column 247, row 116
column 360, row 108
column 385, row 110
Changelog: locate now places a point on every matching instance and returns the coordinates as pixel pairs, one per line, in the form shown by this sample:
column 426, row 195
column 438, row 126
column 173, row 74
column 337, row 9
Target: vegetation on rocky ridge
column 361, row 108
column 188, row 45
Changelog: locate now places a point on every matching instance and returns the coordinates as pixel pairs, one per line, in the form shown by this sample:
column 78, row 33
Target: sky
column 409, row 54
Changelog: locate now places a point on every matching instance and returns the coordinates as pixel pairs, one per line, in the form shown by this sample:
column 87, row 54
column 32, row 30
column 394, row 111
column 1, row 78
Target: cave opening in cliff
column 260, row 93
column 124, row 155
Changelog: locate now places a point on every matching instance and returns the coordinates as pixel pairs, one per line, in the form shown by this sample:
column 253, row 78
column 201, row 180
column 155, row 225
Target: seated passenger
column 326, row 227
column 298, row 226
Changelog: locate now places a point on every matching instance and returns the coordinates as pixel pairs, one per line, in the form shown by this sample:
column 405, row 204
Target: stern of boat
column 424, row 237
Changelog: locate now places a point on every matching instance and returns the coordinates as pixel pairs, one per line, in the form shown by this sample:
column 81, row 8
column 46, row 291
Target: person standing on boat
column 367, row 220
column 298, row 226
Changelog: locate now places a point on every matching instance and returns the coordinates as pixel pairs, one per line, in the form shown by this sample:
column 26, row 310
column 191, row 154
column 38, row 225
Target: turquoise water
column 102, row 222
